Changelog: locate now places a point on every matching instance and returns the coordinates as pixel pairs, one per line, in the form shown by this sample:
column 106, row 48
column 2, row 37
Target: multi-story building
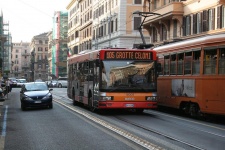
column 183, row 19
column 74, row 26
column 5, row 48
column 20, row 60
column 39, row 55
column 59, row 44
column 114, row 24
column 104, row 23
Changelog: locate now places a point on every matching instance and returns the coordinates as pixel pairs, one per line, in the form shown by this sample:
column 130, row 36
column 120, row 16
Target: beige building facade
column 39, row 57
column 20, row 57
column 97, row 24
column 180, row 20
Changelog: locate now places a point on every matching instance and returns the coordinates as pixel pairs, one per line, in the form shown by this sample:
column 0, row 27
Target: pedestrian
column 7, row 85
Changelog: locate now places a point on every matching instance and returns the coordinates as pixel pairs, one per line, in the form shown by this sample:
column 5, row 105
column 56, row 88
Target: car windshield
column 36, row 87
column 22, row 80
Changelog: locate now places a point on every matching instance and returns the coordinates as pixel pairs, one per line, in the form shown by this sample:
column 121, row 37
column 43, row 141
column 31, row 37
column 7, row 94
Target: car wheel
column 23, row 107
column 60, row 85
column 50, row 106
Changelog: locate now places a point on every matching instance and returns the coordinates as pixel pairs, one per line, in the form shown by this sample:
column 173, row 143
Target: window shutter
column 213, row 19
column 137, row 22
column 184, row 26
column 204, row 20
column 194, row 23
column 218, row 17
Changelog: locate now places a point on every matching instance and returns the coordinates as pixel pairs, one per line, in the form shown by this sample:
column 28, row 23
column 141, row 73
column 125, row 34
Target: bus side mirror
column 159, row 67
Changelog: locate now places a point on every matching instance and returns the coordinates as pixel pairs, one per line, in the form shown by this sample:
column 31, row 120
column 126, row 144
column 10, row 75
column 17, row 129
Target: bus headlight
column 151, row 98
column 106, row 98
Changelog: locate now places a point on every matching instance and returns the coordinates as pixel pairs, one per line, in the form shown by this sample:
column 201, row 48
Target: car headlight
column 151, row 98
column 106, row 98
column 49, row 95
column 28, row 98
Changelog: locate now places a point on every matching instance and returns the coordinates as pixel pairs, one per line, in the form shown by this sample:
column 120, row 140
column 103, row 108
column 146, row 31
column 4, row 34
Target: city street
column 75, row 127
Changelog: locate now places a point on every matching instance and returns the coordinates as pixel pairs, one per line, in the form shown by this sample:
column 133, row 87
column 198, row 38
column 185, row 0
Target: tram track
column 136, row 139
column 159, row 133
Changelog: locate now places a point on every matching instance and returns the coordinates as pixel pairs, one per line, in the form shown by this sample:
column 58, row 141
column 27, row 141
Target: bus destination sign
column 128, row 55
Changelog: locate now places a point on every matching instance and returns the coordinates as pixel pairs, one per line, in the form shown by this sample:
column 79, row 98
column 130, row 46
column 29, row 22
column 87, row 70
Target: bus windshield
column 127, row 75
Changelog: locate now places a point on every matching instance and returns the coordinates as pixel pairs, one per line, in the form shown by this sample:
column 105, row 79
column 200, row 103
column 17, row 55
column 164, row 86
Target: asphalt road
column 75, row 127
column 56, row 128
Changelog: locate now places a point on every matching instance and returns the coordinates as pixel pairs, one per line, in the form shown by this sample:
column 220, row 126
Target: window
column 188, row 25
column 137, row 1
column 173, row 64
column 187, row 62
column 166, row 65
column 198, row 23
column 222, row 61
column 210, row 59
column 205, row 21
column 40, row 41
column 180, row 61
column 196, row 62
column 223, row 16
column 39, row 49
column 137, row 22
column 163, row 34
column 211, row 19
column 154, row 34
column 174, row 28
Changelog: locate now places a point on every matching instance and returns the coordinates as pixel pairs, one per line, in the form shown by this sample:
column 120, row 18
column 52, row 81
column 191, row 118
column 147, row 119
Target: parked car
column 38, row 80
column 20, row 82
column 35, row 94
column 52, row 83
column 13, row 81
column 62, row 82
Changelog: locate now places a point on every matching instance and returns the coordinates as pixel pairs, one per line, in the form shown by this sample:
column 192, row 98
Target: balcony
column 25, row 66
column 25, row 54
column 173, row 10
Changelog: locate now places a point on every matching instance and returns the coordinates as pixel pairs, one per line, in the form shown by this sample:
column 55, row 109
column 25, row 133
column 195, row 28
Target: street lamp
column 145, row 15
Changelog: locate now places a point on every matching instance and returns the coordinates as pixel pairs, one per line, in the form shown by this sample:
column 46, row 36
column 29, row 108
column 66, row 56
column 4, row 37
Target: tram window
column 210, row 58
column 161, row 61
column 166, row 65
column 187, row 62
column 173, row 64
column 222, row 61
column 180, row 64
column 196, row 62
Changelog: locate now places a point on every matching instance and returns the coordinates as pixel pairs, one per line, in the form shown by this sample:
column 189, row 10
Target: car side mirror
column 50, row 90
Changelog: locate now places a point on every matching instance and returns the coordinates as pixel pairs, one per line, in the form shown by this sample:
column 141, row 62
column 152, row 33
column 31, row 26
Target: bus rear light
column 151, row 98
column 106, row 98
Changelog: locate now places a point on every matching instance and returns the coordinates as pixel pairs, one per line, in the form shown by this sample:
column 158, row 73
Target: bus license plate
column 129, row 105
column 37, row 102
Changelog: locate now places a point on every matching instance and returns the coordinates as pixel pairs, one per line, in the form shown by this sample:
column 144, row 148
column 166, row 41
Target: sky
column 28, row 18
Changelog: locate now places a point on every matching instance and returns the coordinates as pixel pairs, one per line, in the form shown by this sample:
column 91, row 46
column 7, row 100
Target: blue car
column 35, row 94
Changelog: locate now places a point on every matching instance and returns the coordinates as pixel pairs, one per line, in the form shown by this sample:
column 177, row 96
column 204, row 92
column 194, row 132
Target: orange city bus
column 113, row 79
column 193, row 75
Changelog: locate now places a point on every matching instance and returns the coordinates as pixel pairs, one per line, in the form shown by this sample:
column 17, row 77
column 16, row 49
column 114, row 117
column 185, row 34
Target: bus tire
column 139, row 110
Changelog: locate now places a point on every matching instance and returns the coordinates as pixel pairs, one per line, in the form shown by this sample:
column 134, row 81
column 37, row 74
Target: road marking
column 2, row 138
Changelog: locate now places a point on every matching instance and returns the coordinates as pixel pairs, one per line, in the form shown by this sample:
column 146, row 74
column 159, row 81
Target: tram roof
column 191, row 43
